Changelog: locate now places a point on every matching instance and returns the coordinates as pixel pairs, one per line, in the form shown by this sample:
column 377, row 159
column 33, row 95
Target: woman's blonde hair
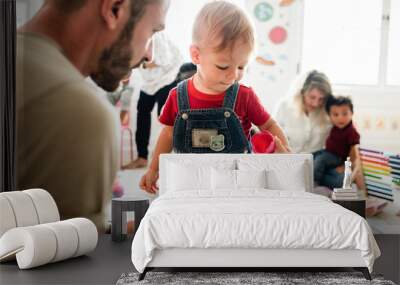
column 224, row 22
column 307, row 82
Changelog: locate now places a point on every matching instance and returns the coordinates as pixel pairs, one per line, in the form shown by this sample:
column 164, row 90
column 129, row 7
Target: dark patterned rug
column 269, row 278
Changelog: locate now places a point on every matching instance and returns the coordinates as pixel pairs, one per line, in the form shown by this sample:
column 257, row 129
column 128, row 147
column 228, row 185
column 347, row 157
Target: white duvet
column 253, row 218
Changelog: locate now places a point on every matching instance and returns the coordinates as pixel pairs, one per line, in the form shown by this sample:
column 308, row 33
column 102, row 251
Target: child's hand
column 280, row 148
column 149, row 64
column 148, row 181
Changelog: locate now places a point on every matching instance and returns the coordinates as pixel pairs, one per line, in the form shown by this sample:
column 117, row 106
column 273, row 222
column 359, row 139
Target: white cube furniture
column 31, row 230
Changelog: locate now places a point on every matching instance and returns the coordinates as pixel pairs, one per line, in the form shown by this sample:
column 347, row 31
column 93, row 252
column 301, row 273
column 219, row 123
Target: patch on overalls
column 202, row 137
column 217, row 143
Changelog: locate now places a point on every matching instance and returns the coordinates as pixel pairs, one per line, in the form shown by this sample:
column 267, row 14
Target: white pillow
column 223, row 179
column 226, row 179
column 279, row 179
column 193, row 173
column 183, row 177
column 281, row 174
column 251, row 179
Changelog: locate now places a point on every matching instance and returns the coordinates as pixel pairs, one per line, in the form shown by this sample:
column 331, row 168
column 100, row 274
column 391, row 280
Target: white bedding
column 251, row 218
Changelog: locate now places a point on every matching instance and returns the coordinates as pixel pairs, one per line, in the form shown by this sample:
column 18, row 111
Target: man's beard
column 114, row 62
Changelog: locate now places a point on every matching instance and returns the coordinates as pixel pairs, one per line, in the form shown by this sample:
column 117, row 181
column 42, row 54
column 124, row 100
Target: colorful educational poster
column 263, row 11
column 278, row 35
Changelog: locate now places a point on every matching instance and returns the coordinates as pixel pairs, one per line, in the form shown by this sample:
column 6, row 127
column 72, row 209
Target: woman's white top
column 305, row 133
column 168, row 59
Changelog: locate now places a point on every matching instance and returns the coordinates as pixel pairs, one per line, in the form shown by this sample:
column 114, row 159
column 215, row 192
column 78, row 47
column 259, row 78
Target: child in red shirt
column 223, row 40
column 342, row 140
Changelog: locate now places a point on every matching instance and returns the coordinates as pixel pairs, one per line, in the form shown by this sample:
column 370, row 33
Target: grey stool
column 119, row 207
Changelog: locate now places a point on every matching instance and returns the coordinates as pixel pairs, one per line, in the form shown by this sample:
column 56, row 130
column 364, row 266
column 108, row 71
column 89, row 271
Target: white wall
column 377, row 112
column 26, row 9
column 376, row 115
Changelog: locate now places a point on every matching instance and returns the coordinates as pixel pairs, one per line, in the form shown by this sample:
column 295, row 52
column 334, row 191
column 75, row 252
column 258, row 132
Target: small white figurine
column 347, row 174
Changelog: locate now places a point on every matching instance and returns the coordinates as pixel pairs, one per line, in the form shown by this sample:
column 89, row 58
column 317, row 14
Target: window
column 393, row 66
column 352, row 41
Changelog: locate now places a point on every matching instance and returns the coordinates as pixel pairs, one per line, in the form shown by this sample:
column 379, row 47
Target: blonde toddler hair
column 224, row 22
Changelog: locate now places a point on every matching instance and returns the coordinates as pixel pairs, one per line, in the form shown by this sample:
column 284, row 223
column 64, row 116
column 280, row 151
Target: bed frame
column 262, row 259
column 246, row 259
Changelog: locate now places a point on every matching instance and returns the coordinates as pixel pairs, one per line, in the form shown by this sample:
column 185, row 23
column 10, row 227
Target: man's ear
column 115, row 12
column 195, row 53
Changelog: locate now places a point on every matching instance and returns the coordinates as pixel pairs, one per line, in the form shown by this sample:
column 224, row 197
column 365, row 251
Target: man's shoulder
column 84, row 112
column 79, row 102
column 82, row 96
column 41, row 66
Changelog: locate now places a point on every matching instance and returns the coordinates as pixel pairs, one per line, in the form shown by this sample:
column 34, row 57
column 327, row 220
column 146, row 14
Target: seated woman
column 302, row 116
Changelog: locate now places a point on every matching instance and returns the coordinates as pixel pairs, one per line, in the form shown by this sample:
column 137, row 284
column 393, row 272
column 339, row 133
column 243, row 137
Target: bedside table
column 356, row 205
column 119, row 208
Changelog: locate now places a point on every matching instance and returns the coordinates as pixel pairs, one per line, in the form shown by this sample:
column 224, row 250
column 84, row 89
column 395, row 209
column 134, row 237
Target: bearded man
column 67, row 136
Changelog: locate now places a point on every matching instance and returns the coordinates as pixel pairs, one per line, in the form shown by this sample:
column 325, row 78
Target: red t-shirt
column 340, row 141
column 248, row 107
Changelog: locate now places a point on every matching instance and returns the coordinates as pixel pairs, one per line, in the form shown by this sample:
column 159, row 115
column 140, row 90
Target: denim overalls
column 208, row 130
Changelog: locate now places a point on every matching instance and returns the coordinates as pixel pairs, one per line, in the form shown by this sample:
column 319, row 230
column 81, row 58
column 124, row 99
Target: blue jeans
column 324, row 169
column 332, row 179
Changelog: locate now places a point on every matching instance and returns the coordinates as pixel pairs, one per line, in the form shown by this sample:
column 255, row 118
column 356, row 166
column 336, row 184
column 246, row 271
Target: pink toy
column 126, row 129
column 117, row 189
column 263, row 142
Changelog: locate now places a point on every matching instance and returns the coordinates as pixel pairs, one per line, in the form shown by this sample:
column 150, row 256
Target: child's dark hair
column 186, row 71
column 338, row 101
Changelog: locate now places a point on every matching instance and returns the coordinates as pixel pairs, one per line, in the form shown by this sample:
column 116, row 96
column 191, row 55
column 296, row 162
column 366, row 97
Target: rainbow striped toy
column 381, row 173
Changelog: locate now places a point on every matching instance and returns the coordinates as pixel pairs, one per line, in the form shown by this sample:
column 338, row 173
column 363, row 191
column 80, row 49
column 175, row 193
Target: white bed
column 202, row 219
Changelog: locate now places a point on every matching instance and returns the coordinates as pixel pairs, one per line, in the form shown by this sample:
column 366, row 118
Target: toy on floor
column 263, row 142
column 347, row 174
column 374, row 206
column 347, row 191
column 382, row 174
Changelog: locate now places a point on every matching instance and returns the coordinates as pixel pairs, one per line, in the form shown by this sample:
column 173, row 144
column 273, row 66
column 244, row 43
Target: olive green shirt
column 67, row 138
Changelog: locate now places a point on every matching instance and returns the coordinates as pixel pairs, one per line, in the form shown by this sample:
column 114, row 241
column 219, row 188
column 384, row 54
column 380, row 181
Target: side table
column 356, row 205
column 119, row 208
